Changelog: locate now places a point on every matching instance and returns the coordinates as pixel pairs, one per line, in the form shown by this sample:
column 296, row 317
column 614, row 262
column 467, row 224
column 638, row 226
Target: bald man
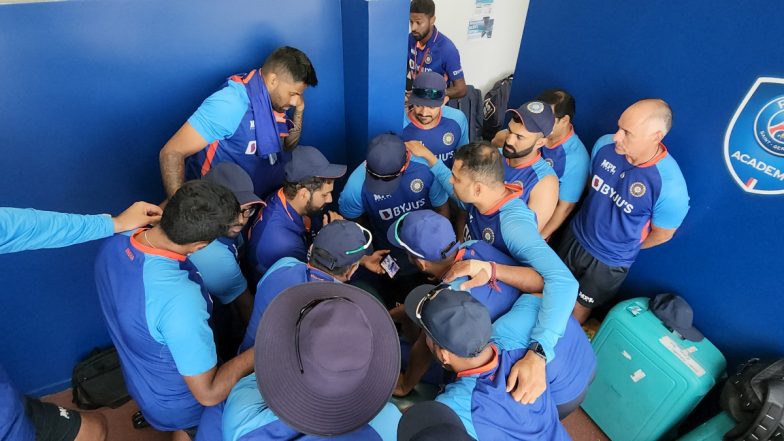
column 637, row 199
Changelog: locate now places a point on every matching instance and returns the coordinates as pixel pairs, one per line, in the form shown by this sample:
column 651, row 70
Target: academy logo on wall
column 754, row 142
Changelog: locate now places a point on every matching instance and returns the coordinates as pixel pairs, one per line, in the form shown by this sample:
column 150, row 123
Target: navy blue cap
column 386, row 157
column 424, row 234
column 428, row 89
column 307, row 162
column 431, row 421
column 236, row 179
column 676, row 314
column 341, row 243
column 537, row 117
column 454, row 320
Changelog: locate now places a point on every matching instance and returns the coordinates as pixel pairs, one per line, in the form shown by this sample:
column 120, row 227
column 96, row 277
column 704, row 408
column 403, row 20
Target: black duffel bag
column 754, row 397
column 98, row 381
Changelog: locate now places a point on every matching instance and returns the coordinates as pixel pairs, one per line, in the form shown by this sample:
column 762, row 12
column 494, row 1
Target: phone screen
column 390, row 266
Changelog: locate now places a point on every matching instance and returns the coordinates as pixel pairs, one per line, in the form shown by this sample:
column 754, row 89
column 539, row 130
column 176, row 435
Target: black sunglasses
column 394, row 175
column 302, row 313
column 249, row 211
column 431, row 94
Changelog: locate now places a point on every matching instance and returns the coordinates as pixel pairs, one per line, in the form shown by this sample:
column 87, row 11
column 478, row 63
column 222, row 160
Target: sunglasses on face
column 249, row 211
column 430, row 94
column 391, row 176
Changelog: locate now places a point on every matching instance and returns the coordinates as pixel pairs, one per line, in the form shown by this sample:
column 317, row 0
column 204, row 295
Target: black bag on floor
column 754, row 397
column 98, row 381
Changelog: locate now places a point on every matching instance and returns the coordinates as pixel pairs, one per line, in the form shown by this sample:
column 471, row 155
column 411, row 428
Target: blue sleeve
column 24, row 229
column 452, row 62
column 385, row 423
column 601, row 142
column 221, row 113
column 560, row 287
column 438, row 196
column 220, row 271
column 673, row 202
column 575, row 175
column 458, row 397
column 459, row 117
column 513, row 330
column 245, row 410
column 278, row 242
column 177, row 316
column 443, row 174
column 350, row 202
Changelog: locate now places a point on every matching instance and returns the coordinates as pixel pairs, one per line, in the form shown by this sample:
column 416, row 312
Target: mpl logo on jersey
column 754, row 142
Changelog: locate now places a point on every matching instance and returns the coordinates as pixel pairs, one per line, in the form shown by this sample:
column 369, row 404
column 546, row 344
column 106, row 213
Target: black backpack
column 754, row 397
column 495, row 105
column 98, row 381
column 471, row 106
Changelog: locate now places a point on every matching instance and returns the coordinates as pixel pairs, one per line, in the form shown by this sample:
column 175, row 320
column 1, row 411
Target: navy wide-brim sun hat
column 349, row 351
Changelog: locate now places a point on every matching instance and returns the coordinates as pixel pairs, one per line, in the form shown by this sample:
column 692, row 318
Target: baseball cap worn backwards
column 387, row 160
column 341, row 243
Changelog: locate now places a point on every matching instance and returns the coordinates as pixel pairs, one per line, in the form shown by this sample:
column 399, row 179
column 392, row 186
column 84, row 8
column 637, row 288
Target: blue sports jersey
column 225, row 119
column 438, row 55
column 156, row 310
column 218, row 265
column 511, row 228
column 211, row 424
column 418, row 190
column 499, row 301
column 489, row 412
column 572, row 368
column 280, row 232
column 450, row 132
column 284, row 274
column 14, row 424
column 247, row 417
column 27, row 229
column 624, row 201
column 569, row 159
column 527, row 174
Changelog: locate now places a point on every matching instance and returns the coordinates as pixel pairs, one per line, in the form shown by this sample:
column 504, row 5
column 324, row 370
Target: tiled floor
column 580, row 427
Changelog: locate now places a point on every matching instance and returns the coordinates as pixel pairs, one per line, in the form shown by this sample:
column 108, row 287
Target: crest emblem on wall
column 754, row 142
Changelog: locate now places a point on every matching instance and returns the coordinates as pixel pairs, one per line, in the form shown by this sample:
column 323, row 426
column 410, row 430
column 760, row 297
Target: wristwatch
column 537, row 349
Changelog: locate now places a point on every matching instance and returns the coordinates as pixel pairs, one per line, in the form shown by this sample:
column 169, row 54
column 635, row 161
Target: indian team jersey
column 511, row 228
column 14, row 424
column 450, row 132
column 225, row 119
column 418, row 190
column 247, row 417
column 438, row 55
column 498, row 300
column 284, row 274
column 280, row 232
column 624, row 201
column 569, row 159
column 571, row 370
column 218, row 265
column 489, row 412
column 156, row 311
column 23, row 229
column 527, row 174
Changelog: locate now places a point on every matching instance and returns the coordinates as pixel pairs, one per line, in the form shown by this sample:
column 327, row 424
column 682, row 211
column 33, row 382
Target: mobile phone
column 390, row 266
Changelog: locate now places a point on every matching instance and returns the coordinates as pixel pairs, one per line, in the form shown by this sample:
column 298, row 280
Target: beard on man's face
column 510, row 153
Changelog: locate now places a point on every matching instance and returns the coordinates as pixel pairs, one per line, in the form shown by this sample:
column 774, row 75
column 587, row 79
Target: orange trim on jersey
column 492, row 364
column 655, row 159
column 646, row 230
column 460, row 253
column 419, row 125
column 279, row 116
column 285, row 203
column 564, row 139
column 150, row 250
column 316, row 276
column 211, row 150
column 517, row 191
column 525, row 164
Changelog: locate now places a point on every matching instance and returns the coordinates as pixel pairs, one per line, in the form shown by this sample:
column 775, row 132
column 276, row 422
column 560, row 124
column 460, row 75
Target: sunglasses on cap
column 432, row 294
column 302, row 313
column 430, row 94
column 392, row 176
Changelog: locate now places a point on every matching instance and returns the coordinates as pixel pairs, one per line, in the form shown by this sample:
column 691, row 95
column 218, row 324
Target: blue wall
column 702, row 57
column 91, row 91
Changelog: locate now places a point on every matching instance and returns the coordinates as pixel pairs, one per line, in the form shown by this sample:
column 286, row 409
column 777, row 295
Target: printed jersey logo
column 411, row 64
column 446, row 156
column 381, row 197
column 129, row 253
column 585, row 298
column 609, row 166
column 417, row 185
column 399, row 210
column 252, row 124
column 456, row 72
column 251, row 150
column 754, row 141
column 488, row 235
column 598, row 184
column 535, row 107
column 637, row 189
column 448, row 138
column 549, row 162
column 428, row 59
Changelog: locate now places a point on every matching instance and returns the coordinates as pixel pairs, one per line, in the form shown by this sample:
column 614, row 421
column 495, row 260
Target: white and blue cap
column 424, row 234
column 537, row 117
column 341, row 243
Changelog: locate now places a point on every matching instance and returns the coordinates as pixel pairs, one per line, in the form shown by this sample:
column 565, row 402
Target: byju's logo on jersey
column 754, row 142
